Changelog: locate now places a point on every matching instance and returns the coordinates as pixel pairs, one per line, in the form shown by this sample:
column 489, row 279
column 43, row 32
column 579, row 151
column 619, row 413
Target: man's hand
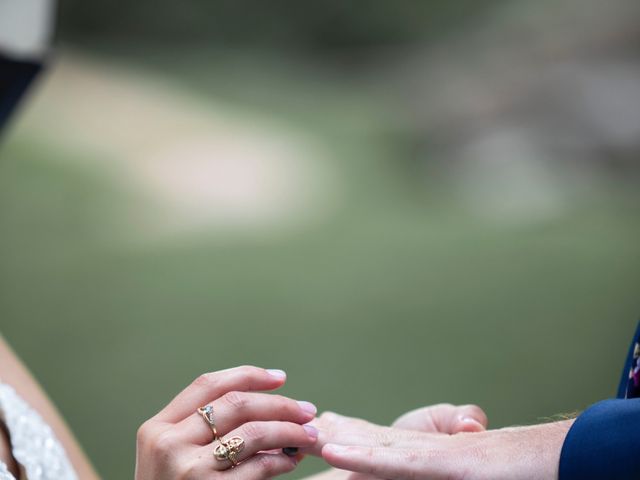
column 372, row 451
column 443, row 418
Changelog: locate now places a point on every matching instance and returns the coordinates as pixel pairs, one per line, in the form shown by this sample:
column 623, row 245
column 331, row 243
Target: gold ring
column 229, row 450
column 207, row 414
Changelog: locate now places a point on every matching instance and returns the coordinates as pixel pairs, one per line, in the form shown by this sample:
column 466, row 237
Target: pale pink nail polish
column 308, row 407
column 279, row 374
column 311, row 431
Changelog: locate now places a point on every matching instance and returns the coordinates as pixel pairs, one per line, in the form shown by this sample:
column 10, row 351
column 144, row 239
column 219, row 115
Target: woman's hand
column 178, row 443
column 372, row 451
column 443, row 418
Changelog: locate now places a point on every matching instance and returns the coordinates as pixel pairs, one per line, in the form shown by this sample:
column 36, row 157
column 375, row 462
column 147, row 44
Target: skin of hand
column 177, row 442
column 373, row 451
column 443, row 418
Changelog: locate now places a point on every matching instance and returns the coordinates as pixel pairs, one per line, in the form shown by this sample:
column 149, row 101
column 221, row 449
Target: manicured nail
column 311, row 431
column 279, row 374
column 308, row 407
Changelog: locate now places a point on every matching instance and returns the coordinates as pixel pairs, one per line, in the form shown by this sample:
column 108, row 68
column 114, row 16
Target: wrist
column 528, row 453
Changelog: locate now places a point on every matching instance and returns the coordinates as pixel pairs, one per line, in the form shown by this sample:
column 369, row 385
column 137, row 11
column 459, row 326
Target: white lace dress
column 34, row 445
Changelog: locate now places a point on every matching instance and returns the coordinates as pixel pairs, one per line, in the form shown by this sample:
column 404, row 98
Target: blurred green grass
column 394, row 301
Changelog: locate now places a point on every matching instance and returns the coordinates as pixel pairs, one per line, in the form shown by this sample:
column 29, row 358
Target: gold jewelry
column 207, row 414
column 229, row 450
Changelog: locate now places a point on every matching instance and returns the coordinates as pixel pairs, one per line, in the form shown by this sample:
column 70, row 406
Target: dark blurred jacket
column 25, row 33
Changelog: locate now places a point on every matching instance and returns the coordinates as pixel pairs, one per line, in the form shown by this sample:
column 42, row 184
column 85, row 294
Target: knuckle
column 442, row 411
column 358, row 423
column 337, row 419
column 318, row 422
column 205, row 380
column 326, row 419
column 237, row 400
column 327, row 422
column 144, row 431
column 164, row 443
column 254, row 431
column 325, row 416
column 249, row 371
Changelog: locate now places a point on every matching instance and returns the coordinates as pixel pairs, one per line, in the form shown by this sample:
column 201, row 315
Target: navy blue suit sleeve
column 604, row 443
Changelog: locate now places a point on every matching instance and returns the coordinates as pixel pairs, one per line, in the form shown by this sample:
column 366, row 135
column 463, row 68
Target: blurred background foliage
column 399, row 203
column 284, row 24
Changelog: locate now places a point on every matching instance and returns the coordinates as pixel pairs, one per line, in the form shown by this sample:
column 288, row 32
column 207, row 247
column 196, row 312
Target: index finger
column 211, row 386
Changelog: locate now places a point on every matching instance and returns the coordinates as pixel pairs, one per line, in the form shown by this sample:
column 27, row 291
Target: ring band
column 229, row 450
column 207, row 414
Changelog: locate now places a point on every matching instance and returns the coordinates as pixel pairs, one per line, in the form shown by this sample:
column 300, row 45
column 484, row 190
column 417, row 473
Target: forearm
column 526, row 453
column 15, row 374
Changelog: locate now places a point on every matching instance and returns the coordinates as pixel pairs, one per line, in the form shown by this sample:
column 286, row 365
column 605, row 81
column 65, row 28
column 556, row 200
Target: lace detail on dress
column 5, row 474
column 34, row 444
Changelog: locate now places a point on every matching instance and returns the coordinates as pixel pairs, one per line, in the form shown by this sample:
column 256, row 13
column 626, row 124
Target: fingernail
column 279, row 374
column 308, row 407
column 311, row 431
column 471, row 421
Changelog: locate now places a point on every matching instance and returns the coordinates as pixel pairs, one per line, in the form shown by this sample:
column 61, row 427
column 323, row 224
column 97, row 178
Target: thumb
column 468, row 418
column 444, row 418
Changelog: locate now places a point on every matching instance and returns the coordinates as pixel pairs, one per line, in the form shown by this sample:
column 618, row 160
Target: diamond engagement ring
column 207, row 414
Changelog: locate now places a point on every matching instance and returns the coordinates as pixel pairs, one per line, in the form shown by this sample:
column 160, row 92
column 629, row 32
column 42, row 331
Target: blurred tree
column 289, row 24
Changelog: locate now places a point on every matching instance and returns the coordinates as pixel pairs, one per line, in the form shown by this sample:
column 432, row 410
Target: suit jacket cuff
column 603, row 443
